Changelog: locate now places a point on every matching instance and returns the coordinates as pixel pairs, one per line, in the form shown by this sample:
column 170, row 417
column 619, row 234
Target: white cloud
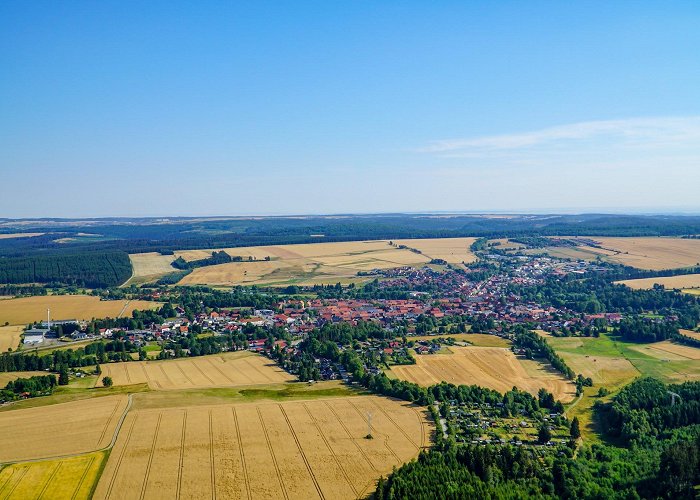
column 635, row 133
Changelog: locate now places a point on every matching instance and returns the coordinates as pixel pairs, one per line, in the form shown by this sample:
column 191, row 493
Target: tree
column 63, row 375
column 98, row 369
column 544, row 435
column 107, row 382
column 575, row 429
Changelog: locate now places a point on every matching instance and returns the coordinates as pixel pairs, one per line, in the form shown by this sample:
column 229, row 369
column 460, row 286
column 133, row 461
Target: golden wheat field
column 60, row 429
column 218, row 370
column 493, row 367
column 670, row 282
column 295, row 450
column 669, row 351
column 691, row 334
column 7, row 236
column 452, row 250
column 305, row 264
column 649, row 252
column 66, row 478
column 29, row 309
column 10, row 336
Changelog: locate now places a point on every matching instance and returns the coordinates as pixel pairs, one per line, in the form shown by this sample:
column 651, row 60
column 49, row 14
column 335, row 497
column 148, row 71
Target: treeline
column 94, row 269
column 535, row 346
column 38, row 385
column 22, row 290
column 219, row 257
column 667, row 470
column 90, row 354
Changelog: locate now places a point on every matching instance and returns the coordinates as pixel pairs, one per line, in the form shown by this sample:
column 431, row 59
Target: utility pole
column 369, row 426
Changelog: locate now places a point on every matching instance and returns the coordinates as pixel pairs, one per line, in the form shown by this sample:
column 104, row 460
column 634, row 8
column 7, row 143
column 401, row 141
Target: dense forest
column 93, row 269
column 662, row 461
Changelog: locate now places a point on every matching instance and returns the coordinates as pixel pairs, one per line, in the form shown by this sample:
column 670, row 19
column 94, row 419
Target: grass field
column 219, row 370
column 494, row 367
column 28, row 309
column 67, row 478
column 301, row 449
column 10, row 336
column 452, row 250
column 613, row 364
column 326, row 263
column 60, row 429
column 149, row 266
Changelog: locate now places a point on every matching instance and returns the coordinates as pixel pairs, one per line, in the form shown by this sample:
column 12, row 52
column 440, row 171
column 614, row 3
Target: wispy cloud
column 637, row 133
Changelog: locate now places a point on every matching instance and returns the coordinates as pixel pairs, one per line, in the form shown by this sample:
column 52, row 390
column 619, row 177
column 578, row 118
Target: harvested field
column 301, row 449
column 25, row 310
column 670, row 282
column 477, row 339
column 7, row 236
column 60, row 429
column 452, row 250
column 67, row 478
column 650, row 253
column 10, row 336
column 494, row 367
column 6, row 377
column 306, row 264
column 218, row 370
column 691, row 334
column 669, row 351
column 150, row 265
column 602, row 369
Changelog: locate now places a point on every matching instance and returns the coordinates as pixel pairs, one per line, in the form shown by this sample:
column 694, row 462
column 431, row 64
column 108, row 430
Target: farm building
column 35, row 335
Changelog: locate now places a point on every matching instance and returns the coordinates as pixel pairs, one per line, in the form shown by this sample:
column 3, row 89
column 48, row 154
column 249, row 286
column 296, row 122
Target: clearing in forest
column 150, row 265
column 293, row 450
column 217, row 370
column 66, row 478
column 26, row 310
column 493, row 367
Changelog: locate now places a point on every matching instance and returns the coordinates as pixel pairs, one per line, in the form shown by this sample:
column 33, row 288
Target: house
column 78, row 335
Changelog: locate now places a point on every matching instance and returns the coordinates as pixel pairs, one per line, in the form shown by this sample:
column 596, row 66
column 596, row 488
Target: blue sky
column 224, row 108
